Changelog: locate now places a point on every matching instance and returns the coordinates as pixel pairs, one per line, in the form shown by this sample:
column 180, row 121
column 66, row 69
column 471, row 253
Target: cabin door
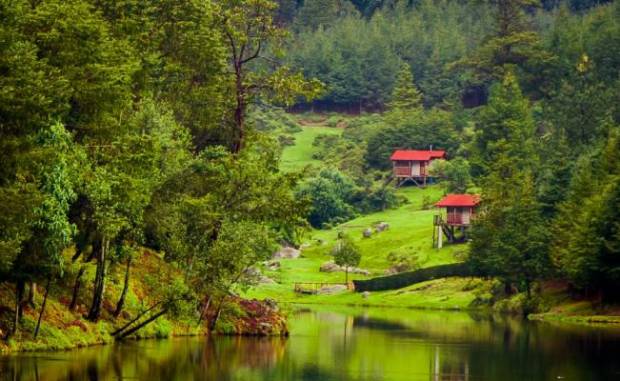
column 423, row 168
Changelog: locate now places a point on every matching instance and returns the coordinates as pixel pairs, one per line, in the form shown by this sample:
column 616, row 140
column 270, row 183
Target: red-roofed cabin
column 459, row 208
column 413, row 164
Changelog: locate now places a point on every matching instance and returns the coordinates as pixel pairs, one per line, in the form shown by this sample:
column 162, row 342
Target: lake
column 353, row 344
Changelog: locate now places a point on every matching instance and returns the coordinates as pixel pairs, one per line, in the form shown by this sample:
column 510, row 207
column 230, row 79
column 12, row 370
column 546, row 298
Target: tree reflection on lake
column 335, row 343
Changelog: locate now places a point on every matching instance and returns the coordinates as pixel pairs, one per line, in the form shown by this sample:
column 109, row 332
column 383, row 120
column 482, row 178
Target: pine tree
column 510, row 238
column 586, row 245
column 405, row 95
column 505, row 126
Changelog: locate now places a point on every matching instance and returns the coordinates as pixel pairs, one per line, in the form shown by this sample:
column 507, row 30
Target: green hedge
column 396, row 281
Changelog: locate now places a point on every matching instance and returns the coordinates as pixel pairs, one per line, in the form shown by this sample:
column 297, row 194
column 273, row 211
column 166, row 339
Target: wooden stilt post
column 439, row 237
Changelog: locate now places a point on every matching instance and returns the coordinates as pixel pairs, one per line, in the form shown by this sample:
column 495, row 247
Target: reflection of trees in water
column 223, row 356
column 448, row 367
column 348, row 347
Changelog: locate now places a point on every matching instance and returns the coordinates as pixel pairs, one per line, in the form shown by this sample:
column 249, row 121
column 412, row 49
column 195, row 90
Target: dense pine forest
column 141, row 144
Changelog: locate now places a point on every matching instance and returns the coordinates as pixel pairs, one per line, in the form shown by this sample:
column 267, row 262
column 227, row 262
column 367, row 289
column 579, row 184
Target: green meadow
column 300, row 155
column 409, row 234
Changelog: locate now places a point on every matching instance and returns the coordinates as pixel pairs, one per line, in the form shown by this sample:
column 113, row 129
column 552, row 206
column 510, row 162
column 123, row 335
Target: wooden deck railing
column 402, row 171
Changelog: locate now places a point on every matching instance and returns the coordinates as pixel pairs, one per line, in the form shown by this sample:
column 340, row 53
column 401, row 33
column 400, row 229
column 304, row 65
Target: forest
column 141, row 143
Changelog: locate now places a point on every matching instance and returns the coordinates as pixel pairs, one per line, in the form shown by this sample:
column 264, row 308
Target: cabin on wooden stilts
column 454, row 220
column 412, row 165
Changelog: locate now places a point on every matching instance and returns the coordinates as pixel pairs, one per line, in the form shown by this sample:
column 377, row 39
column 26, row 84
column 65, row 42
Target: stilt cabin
column 453, row 223
column 412, row 165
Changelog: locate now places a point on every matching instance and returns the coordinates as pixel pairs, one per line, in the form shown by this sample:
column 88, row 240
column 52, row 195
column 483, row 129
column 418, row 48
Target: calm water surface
column 334, row 343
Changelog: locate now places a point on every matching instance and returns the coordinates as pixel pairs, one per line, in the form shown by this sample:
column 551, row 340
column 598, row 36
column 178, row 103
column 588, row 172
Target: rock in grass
column 367, row 233
column 272, row 265
column 365, row 294
column 331, row 267
column 332, row 289
column 382, row 226
column 287, row 252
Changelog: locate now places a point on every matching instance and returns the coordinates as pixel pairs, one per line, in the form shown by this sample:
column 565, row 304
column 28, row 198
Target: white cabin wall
column 466, row 215
column 415, row 168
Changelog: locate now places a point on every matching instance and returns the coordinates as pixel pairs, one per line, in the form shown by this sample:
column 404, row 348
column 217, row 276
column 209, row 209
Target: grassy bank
column 62, row 328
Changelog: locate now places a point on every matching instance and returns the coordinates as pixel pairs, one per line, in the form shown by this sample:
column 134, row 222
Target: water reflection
column 350, row 345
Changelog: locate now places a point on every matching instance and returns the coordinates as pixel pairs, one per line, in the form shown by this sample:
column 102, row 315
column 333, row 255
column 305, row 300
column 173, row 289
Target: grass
column 298, row 156
column 410, row 233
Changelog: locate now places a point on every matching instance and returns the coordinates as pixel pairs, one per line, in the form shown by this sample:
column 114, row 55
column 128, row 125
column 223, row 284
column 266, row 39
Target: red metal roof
column 459, row 200
column 417, row 155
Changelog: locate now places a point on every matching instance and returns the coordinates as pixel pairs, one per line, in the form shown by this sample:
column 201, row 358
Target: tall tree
column 405, row 96
column 585, row 248
column 505, row 126
column 509, row 237
column 346, row 254
column 249, row 29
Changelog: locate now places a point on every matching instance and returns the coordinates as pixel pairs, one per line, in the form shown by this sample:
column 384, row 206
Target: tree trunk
column 121, row 329
column 19, row 294
column 239, row 134
column 99, row 286
column 218, row 311
column 204, row 310
column 47, row 291
column 144, row 323
column 346, row 275
column 121, row 300
column 32, row 293
column 76, row 288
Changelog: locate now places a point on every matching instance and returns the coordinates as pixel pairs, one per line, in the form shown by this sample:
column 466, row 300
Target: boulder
column 287, row 252
column 365, row 294
column 253, row 272
column 329, row 267
column 265, row 280
column 332, row 289
column 272, row 265
column 357, row 270
column 382, row 226
column 367, row 233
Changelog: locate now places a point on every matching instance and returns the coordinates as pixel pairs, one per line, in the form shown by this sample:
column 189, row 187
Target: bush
column 403, row 262
column 286, row 140
column 330, row 195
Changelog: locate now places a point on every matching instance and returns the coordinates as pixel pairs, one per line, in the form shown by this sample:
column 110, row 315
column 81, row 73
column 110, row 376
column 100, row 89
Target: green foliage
column 509, row 237
column 505, row 126
column 330, row 195
column 403, row 262
column 585, row 248
column 456, row 173
column 346, row 254
column 405, row 96
column 416, row 130
column 358, row 58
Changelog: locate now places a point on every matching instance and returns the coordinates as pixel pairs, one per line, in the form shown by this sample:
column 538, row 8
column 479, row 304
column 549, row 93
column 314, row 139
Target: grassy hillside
column 410, row 233
column 298, row 156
